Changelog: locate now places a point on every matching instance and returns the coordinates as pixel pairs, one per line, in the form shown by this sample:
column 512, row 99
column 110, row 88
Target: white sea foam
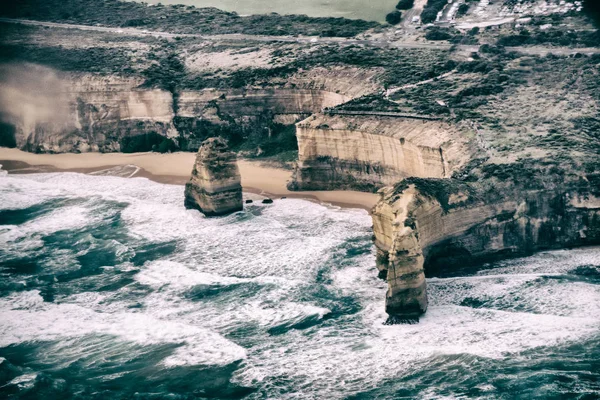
column 546, row 263
column 25, row 381
column 177, row 276
column 521, row 293
column 259, row 266
column 25, row 317
column 19, row 193
column 362, row 357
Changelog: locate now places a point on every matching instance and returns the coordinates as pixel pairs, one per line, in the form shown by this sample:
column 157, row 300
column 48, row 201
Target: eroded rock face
column 431, row 226
column 368, row 152
column 400, row 256
column 215, row 185
column 54, row 113
column 50, row 112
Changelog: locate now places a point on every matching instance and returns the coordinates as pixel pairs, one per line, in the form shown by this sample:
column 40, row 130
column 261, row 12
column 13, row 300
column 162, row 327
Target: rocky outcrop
column 432, row 226
column 215, row 186
column 368, row 152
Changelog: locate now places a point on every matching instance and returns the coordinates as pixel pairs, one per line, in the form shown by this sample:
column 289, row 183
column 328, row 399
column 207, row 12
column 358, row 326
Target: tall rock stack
column 215, row 185
column 400, row 254
column 436, row 226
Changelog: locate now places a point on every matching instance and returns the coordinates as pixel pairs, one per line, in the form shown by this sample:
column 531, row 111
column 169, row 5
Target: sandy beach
column 175, row 168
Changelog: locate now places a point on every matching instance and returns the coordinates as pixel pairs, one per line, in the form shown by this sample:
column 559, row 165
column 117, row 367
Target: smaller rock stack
column 215, row 185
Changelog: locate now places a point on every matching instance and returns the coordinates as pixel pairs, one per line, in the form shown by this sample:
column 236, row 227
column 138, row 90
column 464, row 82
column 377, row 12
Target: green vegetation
column 259, row 137
column 373, row 102
column 463, row 9
column 405, row 4
column 193, row 131
column 452, row 35
column 178, row 18
column 400, row 66
column 394, row 17
column 555, row 36
column 94, row 59
column 431, row 10
column 520, row 105
column 439, row 190
column 150, row 141
column 278, row 139
column 436, row 33
column 592, row 9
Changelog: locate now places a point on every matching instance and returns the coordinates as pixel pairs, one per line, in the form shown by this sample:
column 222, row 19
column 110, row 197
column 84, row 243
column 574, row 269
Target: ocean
column 111, row 289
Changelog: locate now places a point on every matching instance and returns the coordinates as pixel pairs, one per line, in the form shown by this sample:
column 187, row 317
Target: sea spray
column 110, row 286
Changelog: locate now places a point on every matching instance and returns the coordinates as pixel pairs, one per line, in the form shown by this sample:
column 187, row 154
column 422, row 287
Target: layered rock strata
column 48, row 112
column 368, row 152
column 253, row 102
column 215, row 185
column 432, row 226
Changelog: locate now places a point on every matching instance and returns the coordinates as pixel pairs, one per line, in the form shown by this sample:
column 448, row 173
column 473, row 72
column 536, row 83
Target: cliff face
column 247, row 112
column 85, row 113
column 368, row 152
column 79, row 113
column 425, row 227
column 215, row 185
column 252, row 102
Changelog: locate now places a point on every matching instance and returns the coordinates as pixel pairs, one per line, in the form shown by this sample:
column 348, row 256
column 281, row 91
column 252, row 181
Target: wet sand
column 175, row 168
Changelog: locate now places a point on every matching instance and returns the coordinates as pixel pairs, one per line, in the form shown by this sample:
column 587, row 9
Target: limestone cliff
column 430, row 226
column 215, row 185
column 249, row 102
column 368, row 152
column 53, row 112
column 245, row 112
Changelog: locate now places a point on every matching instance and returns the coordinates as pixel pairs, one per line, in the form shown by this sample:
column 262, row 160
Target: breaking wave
column 110, row 288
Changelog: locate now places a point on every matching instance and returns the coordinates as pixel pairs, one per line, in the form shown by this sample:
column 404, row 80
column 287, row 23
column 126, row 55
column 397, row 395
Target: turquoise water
column 110, row 289
column 355, row 9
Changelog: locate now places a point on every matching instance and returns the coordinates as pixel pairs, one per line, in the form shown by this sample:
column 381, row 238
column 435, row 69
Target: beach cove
column 174, row 168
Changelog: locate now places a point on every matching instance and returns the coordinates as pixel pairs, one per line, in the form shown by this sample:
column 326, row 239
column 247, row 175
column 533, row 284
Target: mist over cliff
column 29, row 95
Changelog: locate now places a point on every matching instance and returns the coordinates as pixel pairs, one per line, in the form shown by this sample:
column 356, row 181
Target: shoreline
column 175, row 169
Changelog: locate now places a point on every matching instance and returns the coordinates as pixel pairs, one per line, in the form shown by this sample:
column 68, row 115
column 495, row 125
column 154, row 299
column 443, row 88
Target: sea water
column 110, row 288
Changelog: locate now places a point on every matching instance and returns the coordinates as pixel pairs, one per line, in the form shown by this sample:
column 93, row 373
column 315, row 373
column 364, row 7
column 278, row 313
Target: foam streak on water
column 109, row 287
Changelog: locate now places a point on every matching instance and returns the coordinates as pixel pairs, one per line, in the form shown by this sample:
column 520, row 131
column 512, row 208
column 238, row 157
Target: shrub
column 405, row 4
column 428, row 15
column 592, row 9
column 431, row 10
column 393, row 18
column 166, row 74
column 150, row 141
column 462, row 9
column 437, row 34
column 283, row 139
column 135, row 22
column 480, row 90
